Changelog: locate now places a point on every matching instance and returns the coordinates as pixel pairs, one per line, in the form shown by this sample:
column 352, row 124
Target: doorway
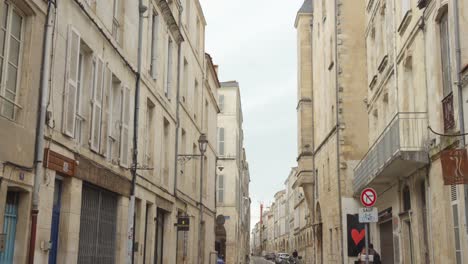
column 9, row 227
column 55, row 222
column 386, row 242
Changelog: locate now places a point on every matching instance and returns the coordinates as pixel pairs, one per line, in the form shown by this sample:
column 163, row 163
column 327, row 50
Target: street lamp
column 202, row 143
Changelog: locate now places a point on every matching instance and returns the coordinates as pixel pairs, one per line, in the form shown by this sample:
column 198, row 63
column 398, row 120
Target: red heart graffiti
column 358, row 236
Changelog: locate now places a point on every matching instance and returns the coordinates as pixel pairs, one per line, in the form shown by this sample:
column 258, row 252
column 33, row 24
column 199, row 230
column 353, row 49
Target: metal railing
column 407, row 131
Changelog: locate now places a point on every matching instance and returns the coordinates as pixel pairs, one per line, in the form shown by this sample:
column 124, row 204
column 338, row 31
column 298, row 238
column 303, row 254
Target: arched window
column 406, row 199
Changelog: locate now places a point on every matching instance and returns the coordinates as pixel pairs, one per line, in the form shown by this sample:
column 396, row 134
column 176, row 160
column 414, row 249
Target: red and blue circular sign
column 368, row 197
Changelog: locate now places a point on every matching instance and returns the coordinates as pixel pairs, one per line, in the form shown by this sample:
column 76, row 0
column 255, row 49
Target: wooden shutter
column 71, row 84
column 124, row 132
column 97, row 105
column 221, row 141
column 107, row 104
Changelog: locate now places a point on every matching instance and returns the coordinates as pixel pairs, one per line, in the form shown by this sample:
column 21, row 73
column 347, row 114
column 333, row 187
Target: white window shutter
column 124, row 143
column 96, row 120
column 71, row 84
column 106, row 108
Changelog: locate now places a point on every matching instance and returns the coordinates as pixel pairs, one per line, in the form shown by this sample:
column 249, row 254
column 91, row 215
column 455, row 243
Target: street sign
column 183, row 223
column 368, row 197
column 368, row 215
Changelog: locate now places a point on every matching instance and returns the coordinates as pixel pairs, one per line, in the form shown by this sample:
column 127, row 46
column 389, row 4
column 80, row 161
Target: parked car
column 281, row 257
column 270, row 256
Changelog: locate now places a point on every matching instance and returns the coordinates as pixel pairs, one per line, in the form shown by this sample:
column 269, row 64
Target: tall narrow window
column 220, row 189
column 11, row 44
column 125, row 128
column 115, row 21
column 445, row 55
column 71, row 86
column 194, row 169
column 195, row 99
column 221, row 149
column 166, row 153
column 198, row 37
column 168, row 85
column 79, row 119
column 114, row 120
column 97, row 98
column 406, row 199
column 221, row 102
column 455, row 201
column 149, row 135
column 154, row 44
column 159, row 245
column 205, row 118
column 185, row 81
column 405, row 7
column 187, row 12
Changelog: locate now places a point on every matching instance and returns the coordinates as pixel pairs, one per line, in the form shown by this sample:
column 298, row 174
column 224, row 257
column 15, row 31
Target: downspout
column 457, row 70
column 40, row 126
column 314, row 252
column 176, row 152
column 429, row 243
column 179, row 57
column 338, row 161
column 136, row 115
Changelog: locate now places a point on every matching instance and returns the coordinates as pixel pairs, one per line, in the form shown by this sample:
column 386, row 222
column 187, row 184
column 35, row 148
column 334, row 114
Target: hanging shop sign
column 59, row 163
column 454, row 166
column 183, row 223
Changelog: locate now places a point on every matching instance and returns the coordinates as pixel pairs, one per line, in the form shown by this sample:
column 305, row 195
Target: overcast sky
column 254, row 42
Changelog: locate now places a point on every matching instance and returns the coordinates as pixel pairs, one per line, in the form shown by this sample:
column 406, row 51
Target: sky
column 254, row 42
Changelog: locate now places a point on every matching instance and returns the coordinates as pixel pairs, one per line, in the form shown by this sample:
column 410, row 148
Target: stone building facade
column 232, row 183
column 86, row 184
column 389, row 93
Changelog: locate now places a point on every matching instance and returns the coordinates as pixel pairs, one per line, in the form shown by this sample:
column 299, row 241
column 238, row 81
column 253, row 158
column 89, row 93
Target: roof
column 306, row 8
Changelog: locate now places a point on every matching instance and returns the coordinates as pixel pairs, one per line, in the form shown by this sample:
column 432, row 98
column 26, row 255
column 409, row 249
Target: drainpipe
column 176, row 172
column 313, row 134
column 40, row 126
column 131, row 209
column 338, row 160
column 457, row 70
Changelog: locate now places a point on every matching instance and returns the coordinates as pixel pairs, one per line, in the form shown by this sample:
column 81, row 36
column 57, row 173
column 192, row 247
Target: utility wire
column 446, row 135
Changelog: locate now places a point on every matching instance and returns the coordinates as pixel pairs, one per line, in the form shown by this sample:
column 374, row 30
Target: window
column 114, row 120
column 220, row 189
column 221, row 149
column 445, row 55
column 154, row 44
column 221, row 103
column 194, row 169
column 97, row 101
column 71, row 86
column 406, row 199
column 198, row 37
column 185, row 81
column 205, row 118
column 456, row 222
column 159, row 246
column 11, row 38
column 149, row 130
column 187, row 11
column 165, row 157
column 115, row 21
column 79, row 119
column 125, row 128
column 169, row 68
column 405, row 7
column 195, row 99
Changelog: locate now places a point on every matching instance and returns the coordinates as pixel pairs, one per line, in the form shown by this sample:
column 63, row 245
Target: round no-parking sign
column 368, row 197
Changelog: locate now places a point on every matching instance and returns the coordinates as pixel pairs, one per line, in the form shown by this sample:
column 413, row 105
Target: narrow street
column 260, row 260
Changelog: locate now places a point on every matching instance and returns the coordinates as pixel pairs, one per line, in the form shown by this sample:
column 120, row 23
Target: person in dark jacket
column 374, row 257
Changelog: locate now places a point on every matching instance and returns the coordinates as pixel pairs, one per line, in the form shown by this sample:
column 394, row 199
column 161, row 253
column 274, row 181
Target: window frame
column 6, row 60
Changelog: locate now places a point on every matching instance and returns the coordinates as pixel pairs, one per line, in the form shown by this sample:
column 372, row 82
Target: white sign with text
column 368, row 215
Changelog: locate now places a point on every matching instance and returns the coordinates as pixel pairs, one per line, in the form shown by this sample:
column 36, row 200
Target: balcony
column 397, row 152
